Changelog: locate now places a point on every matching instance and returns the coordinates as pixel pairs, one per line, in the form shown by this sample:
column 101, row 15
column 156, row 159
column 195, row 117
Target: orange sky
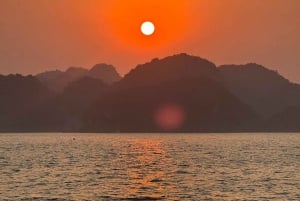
column 36, row 35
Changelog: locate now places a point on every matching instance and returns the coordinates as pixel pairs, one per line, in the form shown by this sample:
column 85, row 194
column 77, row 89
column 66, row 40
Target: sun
column 147, row 28
column 154, row 24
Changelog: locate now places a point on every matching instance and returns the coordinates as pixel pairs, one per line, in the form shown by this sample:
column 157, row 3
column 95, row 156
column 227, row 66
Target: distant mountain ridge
column 189, row 83
column 27, row 105
column 57, row 80
column 168, row 68
column 179, row 93
column 264, row 90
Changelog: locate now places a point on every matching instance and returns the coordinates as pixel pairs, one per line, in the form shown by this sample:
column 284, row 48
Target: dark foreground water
column 59, row 167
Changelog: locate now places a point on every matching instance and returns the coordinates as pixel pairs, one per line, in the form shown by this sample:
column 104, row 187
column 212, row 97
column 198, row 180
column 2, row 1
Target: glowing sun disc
column 147, row 28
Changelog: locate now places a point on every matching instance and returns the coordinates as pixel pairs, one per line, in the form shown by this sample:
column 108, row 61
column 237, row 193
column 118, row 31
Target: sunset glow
column 44, row 35
column 126, row 17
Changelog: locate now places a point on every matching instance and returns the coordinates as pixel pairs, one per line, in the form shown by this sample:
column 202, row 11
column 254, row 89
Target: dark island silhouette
column 179, row 93
column 57, row 80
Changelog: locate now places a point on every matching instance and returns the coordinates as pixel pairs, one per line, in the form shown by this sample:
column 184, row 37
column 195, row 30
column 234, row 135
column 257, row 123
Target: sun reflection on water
column 146, row 168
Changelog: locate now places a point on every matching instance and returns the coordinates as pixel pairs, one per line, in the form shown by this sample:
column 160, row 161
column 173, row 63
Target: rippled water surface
column 58, row 167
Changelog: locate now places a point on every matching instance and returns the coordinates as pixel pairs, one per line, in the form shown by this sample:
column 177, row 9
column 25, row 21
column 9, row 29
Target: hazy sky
column 38, row 35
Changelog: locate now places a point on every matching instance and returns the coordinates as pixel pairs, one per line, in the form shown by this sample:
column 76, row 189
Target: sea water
column 254, row 166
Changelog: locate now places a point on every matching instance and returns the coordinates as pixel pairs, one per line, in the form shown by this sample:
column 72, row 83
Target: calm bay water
column 149, row 167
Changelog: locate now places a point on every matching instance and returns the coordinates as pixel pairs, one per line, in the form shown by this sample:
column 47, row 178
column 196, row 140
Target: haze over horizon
column 36, row 36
